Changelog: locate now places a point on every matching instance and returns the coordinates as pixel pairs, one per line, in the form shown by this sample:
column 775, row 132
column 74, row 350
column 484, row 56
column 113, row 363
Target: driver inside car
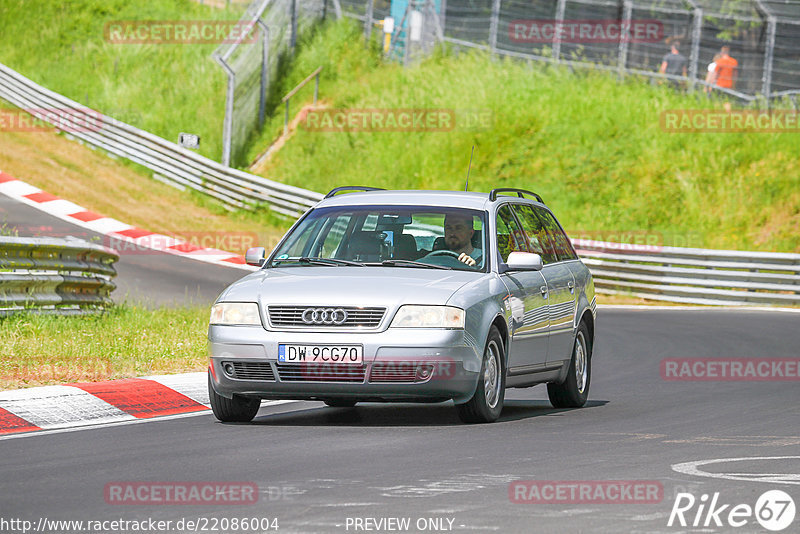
column 458, row 232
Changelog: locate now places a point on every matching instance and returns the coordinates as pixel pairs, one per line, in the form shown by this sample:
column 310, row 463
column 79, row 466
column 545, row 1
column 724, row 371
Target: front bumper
column 400, row 364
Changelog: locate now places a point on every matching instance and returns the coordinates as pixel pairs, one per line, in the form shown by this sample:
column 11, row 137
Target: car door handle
column 571, row 286
column 543, row 289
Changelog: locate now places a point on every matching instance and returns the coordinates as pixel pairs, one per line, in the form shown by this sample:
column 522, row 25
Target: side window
column 537, row 236
column 510, row 237
column 560, row 242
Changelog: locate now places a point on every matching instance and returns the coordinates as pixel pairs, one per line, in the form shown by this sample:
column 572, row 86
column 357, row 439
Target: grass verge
column 127, row 341
column 591, row 145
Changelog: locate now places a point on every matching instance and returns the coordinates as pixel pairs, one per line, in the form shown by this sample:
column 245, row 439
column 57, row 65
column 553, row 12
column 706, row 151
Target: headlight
column 235, row 313
column 411, row 316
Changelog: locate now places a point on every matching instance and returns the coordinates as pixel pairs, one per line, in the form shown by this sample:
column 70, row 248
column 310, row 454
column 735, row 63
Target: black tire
column 570, row 393
column 236, row 410
column 340, row 403
column 481, row 408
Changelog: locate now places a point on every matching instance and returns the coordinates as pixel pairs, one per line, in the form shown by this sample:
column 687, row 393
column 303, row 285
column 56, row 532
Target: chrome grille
column 308, row 372
column 253, row 371
column 292, row 316
column 393, row 372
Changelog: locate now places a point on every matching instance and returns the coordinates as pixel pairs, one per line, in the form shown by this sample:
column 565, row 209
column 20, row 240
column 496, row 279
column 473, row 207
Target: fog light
column 424, row 372
column 229, row 369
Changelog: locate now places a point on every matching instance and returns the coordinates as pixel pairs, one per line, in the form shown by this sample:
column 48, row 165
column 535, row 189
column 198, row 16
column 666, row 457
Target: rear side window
column 538, row 238
column 510, row 237
column 563, row 248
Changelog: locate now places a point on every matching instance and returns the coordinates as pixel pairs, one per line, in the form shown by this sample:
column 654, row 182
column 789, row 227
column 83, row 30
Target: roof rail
column 519, row 192
column 352, row 188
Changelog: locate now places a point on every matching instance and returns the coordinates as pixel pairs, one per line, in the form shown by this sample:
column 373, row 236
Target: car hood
column 348, row 286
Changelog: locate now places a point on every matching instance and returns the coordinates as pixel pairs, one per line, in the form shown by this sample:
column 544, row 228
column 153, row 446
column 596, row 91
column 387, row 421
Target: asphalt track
column 318, row 466
column 318, row 469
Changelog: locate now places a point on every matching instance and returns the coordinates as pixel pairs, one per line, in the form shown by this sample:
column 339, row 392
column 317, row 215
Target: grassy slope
column 590, row 145
column 164, row 89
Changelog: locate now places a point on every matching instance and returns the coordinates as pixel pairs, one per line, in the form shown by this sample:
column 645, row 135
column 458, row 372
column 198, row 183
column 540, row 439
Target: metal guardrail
column 48, row 275
column 693, row 275
column 168, row 161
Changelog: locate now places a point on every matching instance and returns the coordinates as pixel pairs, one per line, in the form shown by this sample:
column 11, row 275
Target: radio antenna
column 466, row 187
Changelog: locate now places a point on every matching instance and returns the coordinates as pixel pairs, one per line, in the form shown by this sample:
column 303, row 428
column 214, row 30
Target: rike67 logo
column 774, row 510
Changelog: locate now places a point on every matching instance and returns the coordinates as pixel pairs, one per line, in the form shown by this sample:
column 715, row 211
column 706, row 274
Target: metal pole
column 442, row 15
column 286, row 118
column 316, row 89
column 562, row 4
column 769, row 51
column 293, row 26
column 368, row 19
column 262, row 101
column 227, row 124
column 623, row 42
column 495, row 20
column 694, row 57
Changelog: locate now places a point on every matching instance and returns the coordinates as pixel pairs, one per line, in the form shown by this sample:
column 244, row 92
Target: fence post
column 262, row 99
column 227, row 124
column 560, row 8
column 442, row 16
column 493, row 23
column 694, row 56
column 768, row 58
column 293, row 25
column 627, row 9
column 368, row 19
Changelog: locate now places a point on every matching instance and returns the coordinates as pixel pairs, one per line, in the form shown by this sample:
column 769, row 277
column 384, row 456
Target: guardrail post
column 560, row 8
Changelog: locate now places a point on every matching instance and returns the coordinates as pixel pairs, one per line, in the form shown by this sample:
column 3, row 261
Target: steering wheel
column 442, row 252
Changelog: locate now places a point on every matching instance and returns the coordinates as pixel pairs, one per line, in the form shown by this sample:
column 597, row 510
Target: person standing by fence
column 727, row 69
column 674, row 63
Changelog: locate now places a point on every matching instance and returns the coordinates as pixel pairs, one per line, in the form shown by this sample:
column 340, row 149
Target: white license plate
column 338, row 354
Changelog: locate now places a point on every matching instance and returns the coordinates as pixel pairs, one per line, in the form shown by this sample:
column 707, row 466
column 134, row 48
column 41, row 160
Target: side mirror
column 255, row 256
column 522, row 261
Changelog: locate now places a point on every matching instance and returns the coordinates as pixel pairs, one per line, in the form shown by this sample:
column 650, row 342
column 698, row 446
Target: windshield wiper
column 320, row 261
column 411, row 263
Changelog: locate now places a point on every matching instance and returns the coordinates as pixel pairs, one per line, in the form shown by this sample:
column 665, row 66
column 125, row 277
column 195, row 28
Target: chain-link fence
column 267, row 31
column 746, row 48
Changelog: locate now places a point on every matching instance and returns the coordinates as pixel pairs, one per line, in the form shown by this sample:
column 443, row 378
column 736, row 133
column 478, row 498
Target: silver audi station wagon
column 408, row 296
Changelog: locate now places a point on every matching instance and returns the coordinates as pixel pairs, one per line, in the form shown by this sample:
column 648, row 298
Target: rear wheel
column 340, row 403
column 236, row 410
column 574, row 391
column 487, row 402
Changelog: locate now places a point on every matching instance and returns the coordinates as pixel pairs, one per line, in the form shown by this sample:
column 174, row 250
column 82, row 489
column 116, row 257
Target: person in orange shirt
column 727, row 69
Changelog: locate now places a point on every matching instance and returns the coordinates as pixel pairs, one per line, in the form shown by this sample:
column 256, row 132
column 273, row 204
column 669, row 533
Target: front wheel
column 487, row 402
column 574, row 391
column 236, row 410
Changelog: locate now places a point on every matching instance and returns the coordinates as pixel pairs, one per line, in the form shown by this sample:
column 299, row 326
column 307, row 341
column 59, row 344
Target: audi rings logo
column 329, row 316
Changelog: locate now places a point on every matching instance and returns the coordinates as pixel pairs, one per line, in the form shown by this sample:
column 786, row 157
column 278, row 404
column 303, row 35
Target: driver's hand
column 466, row 258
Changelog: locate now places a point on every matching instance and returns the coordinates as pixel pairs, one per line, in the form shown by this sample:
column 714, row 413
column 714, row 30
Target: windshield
column 395, row 236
